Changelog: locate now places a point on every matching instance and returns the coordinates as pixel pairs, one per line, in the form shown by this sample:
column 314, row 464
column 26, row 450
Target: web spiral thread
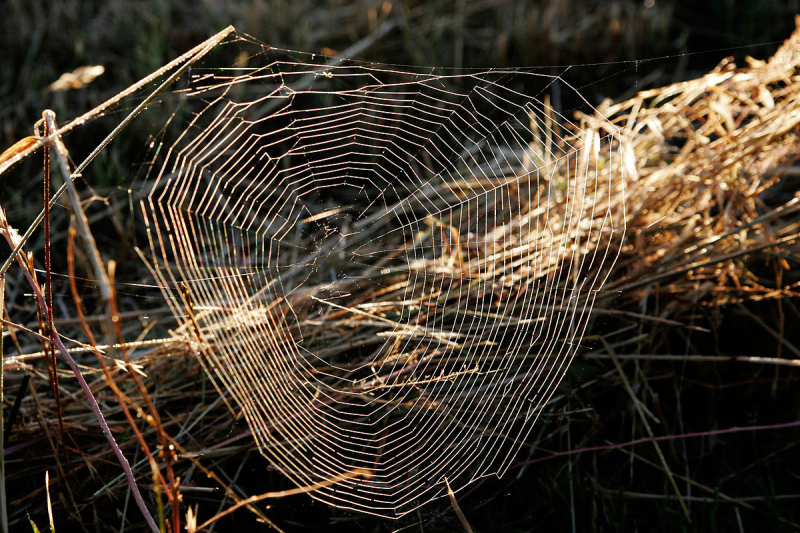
column 387, row 271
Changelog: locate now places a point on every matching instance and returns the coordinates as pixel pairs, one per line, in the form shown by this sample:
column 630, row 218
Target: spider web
column 388, row 271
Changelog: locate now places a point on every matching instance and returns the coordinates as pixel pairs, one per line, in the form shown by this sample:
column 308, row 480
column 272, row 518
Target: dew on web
column 387, row 270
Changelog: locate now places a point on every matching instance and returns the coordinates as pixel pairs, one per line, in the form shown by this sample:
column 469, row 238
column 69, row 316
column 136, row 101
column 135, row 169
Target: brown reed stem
column 459, row 512
column 105, row 290
column 52, row 362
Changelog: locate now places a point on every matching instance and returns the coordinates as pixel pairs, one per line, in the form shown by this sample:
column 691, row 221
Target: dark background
column 630, row 44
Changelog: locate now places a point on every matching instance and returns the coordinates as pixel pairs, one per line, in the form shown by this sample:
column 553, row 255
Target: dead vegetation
column 681, row 407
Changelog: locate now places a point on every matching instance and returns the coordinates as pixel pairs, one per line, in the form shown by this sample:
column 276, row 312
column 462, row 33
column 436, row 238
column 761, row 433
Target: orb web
column 386, row 271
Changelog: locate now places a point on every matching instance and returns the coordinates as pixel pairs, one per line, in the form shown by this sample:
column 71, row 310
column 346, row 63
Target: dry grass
column 711, row 250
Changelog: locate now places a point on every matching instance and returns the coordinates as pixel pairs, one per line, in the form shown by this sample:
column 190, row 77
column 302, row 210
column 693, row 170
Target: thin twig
column 80, row 216
column 49, row 502
column 459, row 512
column 357, row 472
column 777, row 336
column 52, row 362
column 3, row 503
column 189, row 57
column 698, row 358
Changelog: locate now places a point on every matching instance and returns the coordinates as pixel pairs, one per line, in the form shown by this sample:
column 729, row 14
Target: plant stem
column 3, row 504
column 459, row 512
column 105, row 290
column 189, row 58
